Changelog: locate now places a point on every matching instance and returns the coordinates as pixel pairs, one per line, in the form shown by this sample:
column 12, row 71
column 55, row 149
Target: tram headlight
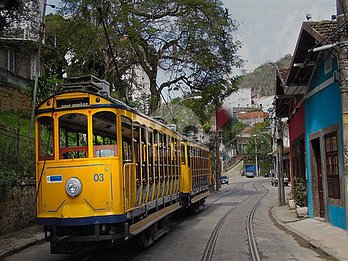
column 73, row 187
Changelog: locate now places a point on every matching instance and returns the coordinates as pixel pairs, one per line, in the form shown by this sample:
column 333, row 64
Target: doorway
column 317, row 179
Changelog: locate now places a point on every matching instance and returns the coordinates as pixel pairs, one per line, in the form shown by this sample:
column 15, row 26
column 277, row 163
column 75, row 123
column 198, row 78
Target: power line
column 118, row 76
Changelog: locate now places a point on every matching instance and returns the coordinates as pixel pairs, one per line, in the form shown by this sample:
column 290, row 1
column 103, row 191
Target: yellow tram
column 106, row 172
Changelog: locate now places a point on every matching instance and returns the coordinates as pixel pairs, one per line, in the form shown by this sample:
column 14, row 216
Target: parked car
column 267, row 174
column 274, row 181
column 250, row 174
column 224, row 180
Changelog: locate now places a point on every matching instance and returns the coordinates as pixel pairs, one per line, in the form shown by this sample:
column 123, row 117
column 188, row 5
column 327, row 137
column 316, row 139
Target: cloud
column 269, row 28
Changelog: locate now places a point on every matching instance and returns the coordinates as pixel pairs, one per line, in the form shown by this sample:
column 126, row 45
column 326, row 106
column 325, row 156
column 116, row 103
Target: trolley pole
column 342, row 23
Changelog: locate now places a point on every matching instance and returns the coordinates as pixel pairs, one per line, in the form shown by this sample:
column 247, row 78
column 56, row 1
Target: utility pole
column 280, row 150
column 217, row 148
column 341, row 6
column 256, row 159
column 38, row 64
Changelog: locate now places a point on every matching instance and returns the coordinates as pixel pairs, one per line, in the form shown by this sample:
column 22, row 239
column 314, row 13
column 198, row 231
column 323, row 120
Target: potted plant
column 300, row 196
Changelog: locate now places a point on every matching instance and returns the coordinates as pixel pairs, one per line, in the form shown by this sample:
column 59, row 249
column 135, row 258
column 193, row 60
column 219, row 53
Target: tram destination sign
column 72, row 102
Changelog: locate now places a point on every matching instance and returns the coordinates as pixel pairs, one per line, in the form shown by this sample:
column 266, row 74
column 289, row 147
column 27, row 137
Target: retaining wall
column 17, row 207
column 13, row 99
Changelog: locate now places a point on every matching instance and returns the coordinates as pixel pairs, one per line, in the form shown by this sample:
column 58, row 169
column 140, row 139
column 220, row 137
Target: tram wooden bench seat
column 63, row 152
column 104, row 150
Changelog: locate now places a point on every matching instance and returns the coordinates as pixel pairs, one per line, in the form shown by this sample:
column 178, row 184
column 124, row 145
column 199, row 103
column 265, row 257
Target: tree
column 231, row 130
column 260, row 144
column 78, row 47
column 20, row 19
column 10, row 10
column 191, row 41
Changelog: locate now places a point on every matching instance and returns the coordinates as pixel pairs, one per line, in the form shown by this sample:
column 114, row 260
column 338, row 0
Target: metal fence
column 17, row 152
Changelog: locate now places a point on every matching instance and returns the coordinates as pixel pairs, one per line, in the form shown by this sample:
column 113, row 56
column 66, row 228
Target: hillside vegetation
column 262, row 79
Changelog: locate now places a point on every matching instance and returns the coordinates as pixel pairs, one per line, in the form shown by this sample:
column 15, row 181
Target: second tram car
column 106, row 172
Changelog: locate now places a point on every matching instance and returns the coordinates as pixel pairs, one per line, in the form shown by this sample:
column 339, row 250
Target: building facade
column 310, row 98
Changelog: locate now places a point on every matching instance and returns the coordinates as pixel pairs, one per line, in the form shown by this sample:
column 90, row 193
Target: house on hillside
column 18, row 59
column 238, row 101
column 252, row 118
column 309, row 96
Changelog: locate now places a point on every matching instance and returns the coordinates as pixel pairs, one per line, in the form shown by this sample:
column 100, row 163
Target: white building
column 264, row 103
column 239, row 99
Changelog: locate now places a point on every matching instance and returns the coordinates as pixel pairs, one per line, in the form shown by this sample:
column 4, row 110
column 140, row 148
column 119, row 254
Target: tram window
column 144, row 156
column 46, row 138
column 127, row 149
column 183, row 156
column 175, row 156
column 189, row 156
column 104, row 134
column 151, row 158
column 73, row 136
column 160, row 155
column 169, row 157
column 137, row 150
column 156, row 152
column 165, row 156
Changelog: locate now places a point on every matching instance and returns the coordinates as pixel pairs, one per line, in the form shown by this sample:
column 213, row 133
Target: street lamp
column 256, row 148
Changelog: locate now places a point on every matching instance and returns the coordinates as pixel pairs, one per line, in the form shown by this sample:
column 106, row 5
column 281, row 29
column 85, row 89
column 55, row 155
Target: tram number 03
column 98, row 177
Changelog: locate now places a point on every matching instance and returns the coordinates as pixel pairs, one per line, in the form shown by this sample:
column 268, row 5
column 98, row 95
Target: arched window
column 46, row 144
column 104, row 134
column 73, row 138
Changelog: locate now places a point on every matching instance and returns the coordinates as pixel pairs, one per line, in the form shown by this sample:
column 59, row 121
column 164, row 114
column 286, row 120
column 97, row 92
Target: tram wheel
column 147, row 237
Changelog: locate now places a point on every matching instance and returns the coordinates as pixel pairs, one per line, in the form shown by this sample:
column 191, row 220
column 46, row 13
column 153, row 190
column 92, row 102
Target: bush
column 8, row 178
column 17, row 151
column 300, row 192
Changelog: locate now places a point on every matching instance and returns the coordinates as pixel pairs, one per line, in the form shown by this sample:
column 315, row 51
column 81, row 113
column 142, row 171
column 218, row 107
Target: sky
column 269, row 29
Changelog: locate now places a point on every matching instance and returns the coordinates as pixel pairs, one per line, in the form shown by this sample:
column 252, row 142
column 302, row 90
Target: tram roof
column 99, row 90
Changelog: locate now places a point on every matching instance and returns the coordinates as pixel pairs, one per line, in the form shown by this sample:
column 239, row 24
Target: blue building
column 312, row 82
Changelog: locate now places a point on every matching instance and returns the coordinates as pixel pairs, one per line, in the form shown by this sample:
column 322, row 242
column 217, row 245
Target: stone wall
column 17, row 207
column 14, row 100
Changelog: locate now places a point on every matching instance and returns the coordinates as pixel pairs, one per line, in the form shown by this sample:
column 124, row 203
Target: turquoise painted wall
column 323, row 110
column 338, row 216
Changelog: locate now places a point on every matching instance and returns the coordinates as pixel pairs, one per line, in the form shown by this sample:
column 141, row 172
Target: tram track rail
column 209, row 249
column 254, row 251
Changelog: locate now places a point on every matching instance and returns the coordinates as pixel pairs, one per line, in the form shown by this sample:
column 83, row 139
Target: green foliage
column 10, row 10
column 8, row 178
column 17, row 153
column 47, row 86
column 260, row 144
column 193, row 42
column 232, row 130
column 300, row 192
column 14, row 120
column 207, row 127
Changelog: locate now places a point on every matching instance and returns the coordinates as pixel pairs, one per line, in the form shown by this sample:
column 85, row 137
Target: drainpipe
column 343, row 72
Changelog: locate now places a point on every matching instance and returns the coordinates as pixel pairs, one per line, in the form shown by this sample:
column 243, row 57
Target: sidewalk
column 17, row 241
column 331, row 240
column 321, row 235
